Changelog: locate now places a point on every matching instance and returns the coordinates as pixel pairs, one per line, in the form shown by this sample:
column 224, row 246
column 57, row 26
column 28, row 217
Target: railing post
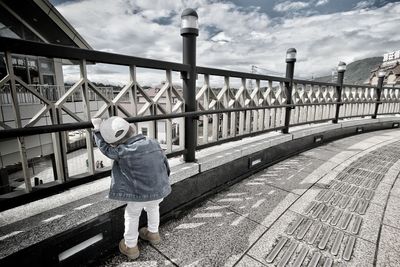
column 381, row 76
column 18, row 122
column 340, row 76
column 290, row 60
column 189, row 32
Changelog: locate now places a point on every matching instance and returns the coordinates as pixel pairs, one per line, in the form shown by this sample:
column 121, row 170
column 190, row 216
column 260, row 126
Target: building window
column 144, row 131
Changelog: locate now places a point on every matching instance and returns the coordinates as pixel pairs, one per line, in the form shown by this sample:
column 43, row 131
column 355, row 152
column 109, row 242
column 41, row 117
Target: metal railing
column 222, row 113
column 50, row 92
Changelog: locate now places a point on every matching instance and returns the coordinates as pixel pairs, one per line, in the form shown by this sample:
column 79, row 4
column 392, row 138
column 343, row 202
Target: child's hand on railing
column 96, row 124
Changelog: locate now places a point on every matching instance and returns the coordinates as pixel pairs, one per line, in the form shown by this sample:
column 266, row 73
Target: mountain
column 357, row 72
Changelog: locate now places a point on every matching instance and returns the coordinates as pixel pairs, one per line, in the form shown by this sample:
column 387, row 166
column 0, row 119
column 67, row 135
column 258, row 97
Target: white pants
column 132, row 214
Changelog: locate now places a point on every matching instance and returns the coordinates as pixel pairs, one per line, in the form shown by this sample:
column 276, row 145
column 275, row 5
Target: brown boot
column 153, row 238
column 132, row 253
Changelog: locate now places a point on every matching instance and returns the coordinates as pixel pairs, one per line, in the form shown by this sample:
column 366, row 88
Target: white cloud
column 290, row 6
column 241, row 38
column 364, row 4
column 221, row 38
column 322, row 2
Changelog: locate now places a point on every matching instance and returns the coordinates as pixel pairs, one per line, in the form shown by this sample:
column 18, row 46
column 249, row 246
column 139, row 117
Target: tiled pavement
column 336, row 205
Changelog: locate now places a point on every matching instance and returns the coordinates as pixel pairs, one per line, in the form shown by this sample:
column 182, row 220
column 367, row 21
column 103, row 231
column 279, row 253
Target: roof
column 43, row 19
column 392, row 72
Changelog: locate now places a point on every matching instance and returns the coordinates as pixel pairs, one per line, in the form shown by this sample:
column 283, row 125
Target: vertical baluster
column 260, row 102
column 246, row 103
column 133, row 97
column 232, row 130
column 294, row 114
column 168, row 106
column 225, row 116
column 59, row 147
column 18, row 122
column 268, row 99
column 277, row 111
column 86, row 109
column 241, row 100
column 206, row 105
column 215, row 123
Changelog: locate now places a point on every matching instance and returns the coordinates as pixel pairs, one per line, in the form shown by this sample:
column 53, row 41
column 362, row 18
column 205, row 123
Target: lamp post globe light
column 189, row 22
column 379, row 86
column 291, row 54
column 341, row 67
column 189, row 33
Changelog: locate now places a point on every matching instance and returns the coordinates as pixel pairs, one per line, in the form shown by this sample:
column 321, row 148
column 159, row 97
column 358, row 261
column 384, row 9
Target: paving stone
column 327, row 178
column 304, row 201
column 391, row 175
column 363, row 254
column 43, row 205
column 389, row 247
column 247, row 261
column 193, row 239
column 149, row 257
column 31, row 222
column 266, row 243
column 392, row 213
column 396, row 188
column 371, row 222
column 295, row 175
column 255, row 199
column 321, row 153
column 381, row 194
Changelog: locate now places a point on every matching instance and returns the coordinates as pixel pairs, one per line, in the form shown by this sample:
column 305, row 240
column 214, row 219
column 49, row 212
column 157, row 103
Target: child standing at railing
column 139, row 176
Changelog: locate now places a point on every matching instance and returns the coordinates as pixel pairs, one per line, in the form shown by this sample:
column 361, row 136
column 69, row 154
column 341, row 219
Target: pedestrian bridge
column 330, row 205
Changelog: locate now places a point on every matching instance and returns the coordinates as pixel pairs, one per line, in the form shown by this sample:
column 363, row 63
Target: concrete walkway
column 336, row 205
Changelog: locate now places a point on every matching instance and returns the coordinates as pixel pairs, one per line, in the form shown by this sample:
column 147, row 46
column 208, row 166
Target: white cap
column 114, row 129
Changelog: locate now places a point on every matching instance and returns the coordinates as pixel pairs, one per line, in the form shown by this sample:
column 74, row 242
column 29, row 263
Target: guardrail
column 50, row 92
column 222, row 113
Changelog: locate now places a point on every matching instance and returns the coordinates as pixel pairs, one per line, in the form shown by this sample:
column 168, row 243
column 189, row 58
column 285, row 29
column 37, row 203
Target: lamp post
column 381, row 77
column 189, row 33
column 291, row 54
column 340, row 76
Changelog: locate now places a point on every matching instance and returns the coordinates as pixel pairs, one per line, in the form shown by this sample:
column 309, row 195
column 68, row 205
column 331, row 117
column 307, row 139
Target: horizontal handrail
column 18, row 132
column 238, row 74
column 60, row 51
column 314, row 82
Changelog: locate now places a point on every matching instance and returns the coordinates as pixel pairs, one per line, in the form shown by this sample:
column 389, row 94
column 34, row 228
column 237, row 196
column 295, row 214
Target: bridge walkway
column 335, row 205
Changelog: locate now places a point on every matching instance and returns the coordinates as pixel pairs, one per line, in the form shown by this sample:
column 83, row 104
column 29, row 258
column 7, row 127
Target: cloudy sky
column 239, row 33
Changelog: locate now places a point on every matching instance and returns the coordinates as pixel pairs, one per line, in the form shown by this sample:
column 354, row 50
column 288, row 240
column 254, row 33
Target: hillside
column 357, row 72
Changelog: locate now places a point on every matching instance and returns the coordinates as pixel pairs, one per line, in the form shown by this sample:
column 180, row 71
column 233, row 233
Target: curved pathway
column 335, row 205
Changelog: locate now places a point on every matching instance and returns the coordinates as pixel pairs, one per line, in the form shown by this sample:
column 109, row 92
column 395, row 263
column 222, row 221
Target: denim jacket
column 140, row 169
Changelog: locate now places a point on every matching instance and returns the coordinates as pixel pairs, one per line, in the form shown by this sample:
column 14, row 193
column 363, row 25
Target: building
column 39, row 21
column 391, row 66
